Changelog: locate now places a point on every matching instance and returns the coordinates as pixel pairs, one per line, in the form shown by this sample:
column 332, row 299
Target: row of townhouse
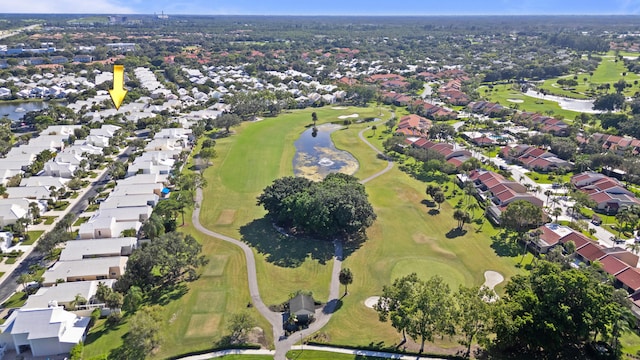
column 608, row 193
column 621, row 264
column 452, row 153
column 496, row 191
column 488, row 108
column 411, row 124
column 51, row 321
column 534, row 158
column 621, row 145
column 542, row 123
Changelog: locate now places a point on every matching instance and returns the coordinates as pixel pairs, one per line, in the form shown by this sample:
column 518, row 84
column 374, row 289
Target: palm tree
column 634, row 247
column 439, row 198
column 314, row 118
column 374, row 128
column 556, row 212
column 473, row 207
column 548, row 193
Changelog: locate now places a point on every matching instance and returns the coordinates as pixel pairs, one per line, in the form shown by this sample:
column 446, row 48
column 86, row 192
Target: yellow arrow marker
column 118, row 92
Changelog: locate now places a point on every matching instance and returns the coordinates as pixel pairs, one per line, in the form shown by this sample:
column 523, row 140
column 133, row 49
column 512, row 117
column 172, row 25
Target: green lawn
column 502, row 93
column 546, row 178
column 16, row 300
column 34, row 235
column 81, row 220
column 48, row 220
column 608, row 71
column 324, row 355
column 266, row 151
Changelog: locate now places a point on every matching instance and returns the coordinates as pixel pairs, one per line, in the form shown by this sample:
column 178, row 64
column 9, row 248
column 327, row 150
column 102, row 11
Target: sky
column 326, row 7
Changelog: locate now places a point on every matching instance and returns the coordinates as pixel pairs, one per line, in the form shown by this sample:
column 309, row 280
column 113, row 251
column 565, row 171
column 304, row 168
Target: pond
column 16, row 110
column 316, row 157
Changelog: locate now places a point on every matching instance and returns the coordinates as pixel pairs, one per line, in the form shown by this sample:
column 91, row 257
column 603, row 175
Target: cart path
column 282, row 343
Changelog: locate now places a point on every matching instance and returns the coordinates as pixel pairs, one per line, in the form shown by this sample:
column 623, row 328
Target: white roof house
column 82, row 147
column 173, row 133
column 86, row 269
column 98, row 248
column 45, row 332
column 101, row 227
column 137, row 189
column 11, row 212
column 64, row 294
column 144, row 179
column 47, row 181
column 166, row 144
column 127, row 201
column 65, row 170
column 68, row 157
column 97, row 140
column 106, row 130
column 28, row 192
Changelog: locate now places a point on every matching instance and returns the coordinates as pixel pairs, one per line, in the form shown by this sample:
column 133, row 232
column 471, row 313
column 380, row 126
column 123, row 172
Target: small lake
column 8, row 109
column 316, row 157
column 585, row 106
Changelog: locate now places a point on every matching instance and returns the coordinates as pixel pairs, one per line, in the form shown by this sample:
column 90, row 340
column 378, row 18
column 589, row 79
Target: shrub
column 114, row 319
column 76, row 352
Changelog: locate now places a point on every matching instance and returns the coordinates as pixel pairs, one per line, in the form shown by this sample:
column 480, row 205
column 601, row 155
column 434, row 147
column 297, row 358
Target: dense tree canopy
column 168, row 259
column 338, row 205
column 521, row 215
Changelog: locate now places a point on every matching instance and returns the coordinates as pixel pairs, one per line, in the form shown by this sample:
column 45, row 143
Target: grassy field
column 324, row 355
column 502, row 93
column 405, row 238
column 265, row 150
column 608, row 71
column 34, row 235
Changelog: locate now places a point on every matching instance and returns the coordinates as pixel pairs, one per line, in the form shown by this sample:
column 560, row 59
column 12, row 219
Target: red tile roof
column 591, row 252
column 630, row 278
column 612, row 265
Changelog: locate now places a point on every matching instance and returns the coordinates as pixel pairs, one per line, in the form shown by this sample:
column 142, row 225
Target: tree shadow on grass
column 163, row 295
column 428, row 203
column 456, row 232
column 332, row 306
column 283, row 250
column 433, row 212
column 505, row 245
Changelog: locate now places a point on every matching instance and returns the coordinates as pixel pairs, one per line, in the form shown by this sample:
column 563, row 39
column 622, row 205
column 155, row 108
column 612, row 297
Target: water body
column 316, row 157
column 585, row 106
column 15, row 110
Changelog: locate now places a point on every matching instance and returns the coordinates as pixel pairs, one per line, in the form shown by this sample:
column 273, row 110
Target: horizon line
column 328, row 15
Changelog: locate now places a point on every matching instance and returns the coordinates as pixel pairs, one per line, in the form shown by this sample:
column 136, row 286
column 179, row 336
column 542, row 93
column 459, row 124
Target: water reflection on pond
column 316, row 157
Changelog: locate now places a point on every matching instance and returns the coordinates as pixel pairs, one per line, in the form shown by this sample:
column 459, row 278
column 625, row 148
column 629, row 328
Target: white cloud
column 64, row 7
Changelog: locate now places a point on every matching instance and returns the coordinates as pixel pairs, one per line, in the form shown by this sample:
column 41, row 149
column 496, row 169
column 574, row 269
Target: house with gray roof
column 64, row 294
column 43, row 332
column 85, row 270
column 98, row 248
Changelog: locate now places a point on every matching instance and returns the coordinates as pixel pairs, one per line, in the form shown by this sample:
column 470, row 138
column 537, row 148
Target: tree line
column 547, row 313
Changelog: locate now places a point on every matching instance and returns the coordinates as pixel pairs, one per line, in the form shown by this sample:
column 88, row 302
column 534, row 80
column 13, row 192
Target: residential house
column 100, row 227
column 550, row 236
column 28, row 192
column 411, row 124
column 43, row 332
column 303, row 307
column 98, row 248
column 59, row 169
column 608, row 193
column 46, row 181
column 128, row 201
column 534, row 158
column 11, row 212
column 65, row 294
column 85, row 270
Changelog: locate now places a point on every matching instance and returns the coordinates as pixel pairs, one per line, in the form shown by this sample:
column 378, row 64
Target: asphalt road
column 8, row 286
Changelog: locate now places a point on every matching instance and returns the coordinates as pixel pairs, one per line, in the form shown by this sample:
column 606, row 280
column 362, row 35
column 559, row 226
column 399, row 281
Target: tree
column 520, row 215
column 114, row 300
column 346, row 278
column 556, row 212
column 473, row 314
column 227, row 121
column 461, row 217
column 439, row 198
column 239, row 325
column 144, row 333
column 430, row 315
column 609, row 102
column 133, row 299
column 169, row 259
column 314, row 118
column 432, row 190
column 336, row 206
column 153, row 227
column 374, row 128
column 23, row 279
column 420, row 308
column 551, row 309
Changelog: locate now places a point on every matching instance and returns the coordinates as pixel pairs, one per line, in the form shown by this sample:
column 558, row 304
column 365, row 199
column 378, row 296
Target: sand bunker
column 339, row 108
column 517, row 101
column 348, row 116
column 492, row 278
column 370, row 302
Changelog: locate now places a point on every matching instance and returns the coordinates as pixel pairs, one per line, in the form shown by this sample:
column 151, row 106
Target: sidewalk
column 357, row 352
column 8, row 269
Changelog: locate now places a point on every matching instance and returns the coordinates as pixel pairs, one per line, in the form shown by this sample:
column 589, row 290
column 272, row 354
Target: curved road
column 282, row 343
